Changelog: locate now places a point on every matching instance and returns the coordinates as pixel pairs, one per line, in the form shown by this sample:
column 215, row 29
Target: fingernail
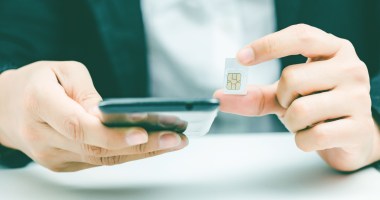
column 184, row 143
column 169, row 140
column 136, row 137
column 246, row 55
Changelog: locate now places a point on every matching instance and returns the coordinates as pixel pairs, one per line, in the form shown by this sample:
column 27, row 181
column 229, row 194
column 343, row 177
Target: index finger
column 70, row 119
column 298, row 39
column 259, row 101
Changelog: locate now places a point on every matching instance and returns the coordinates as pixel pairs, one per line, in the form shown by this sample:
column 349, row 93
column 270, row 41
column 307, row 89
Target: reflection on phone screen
column 148, row 121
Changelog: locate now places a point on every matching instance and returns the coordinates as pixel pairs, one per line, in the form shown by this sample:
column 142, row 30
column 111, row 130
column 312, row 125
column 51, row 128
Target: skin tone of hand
column 49, row 111
column 325, row 101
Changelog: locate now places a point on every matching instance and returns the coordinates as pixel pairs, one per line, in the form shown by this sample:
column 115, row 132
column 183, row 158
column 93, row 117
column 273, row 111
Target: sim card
column 235, row 77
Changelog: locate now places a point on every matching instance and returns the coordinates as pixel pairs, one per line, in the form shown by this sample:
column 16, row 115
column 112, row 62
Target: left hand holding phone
column 53, row 106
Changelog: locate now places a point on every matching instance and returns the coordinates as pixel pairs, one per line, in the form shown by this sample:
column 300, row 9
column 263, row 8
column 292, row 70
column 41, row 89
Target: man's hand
column 325, row 101
column 49, row 111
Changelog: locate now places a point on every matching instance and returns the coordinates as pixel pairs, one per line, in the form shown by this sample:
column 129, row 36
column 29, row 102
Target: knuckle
column 289, row 77
column 152, row 154
column 297, row 114
column 361, row 98
column 270, row 45
column 88, row 95
column 365, row 98
column 301, row 145
column 94, row 150
column 72, row 66
column 359, row 72
column 360, row 93
column 111, row 140
column 75, row 64
column 346, row 43
column 141, row 148
column 41, row 63
column 109, row 161
column 301, row 26
column 299, row 110
column 290, row 125
column 74, row 128
column 262, row 103
column 321, row 136
column 361, row 64
column 304, row 32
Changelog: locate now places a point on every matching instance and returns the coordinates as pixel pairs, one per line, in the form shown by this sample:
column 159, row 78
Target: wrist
column 9, row 156
column 4, row 75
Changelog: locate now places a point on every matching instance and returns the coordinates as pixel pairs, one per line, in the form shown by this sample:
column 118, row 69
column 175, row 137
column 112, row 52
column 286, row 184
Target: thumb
column 77, row 83
column 260, row 100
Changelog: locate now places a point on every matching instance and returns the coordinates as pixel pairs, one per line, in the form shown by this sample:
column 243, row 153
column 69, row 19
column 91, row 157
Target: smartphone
column 193, row 117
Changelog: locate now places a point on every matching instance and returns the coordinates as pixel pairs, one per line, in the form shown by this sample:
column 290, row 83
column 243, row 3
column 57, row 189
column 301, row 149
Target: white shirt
column 188, row 41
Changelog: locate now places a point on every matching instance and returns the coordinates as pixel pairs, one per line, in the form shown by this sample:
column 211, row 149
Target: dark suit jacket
column 108, row 37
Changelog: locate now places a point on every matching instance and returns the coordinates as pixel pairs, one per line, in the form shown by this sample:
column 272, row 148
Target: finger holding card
column 325, row 101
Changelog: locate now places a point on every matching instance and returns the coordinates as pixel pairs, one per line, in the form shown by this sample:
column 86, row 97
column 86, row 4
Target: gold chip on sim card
column 233, row 81
column 235, row 77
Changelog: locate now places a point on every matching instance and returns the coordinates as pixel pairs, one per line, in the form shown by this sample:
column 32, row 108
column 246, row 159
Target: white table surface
column 234, row 166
